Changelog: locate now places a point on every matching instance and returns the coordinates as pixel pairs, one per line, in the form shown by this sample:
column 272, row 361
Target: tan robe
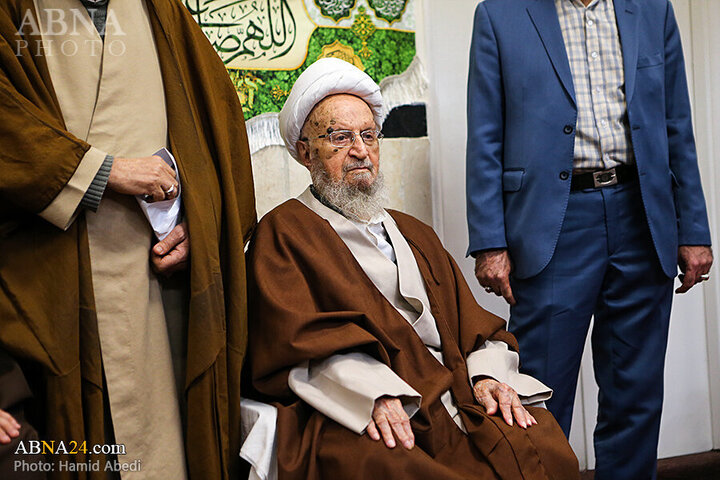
column 48, row 317
column 116, row 103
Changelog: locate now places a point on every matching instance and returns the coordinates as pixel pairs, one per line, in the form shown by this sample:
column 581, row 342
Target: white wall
column 448, row 28
column 692, row 373
column 704, row 20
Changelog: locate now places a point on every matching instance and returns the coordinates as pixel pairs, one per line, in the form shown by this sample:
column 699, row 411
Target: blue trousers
column 604, row 265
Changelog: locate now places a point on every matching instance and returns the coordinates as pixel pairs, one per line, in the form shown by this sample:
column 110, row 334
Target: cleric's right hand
column 9, row 427
column 492, row 270
column 389, row 416
column 143, row 176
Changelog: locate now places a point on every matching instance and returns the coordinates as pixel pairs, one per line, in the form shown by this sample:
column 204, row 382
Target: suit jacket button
column 568, row 129
column 564, row 175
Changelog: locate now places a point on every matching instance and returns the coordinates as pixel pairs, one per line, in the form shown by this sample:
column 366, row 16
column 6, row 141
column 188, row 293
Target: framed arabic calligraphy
column 266, row 44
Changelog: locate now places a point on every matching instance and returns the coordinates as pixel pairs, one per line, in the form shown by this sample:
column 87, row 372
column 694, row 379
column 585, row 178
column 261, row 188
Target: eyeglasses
column 346, row 138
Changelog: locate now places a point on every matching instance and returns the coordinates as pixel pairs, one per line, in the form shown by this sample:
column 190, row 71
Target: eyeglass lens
column 345, row 138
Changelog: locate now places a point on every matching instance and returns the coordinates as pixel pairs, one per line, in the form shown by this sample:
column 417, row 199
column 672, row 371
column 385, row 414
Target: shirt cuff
column 94, row 193
column 345, row 387
column 64, row 207
column 496, row 361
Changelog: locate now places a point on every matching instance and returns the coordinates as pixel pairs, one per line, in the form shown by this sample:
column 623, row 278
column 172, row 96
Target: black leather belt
column 604, row 178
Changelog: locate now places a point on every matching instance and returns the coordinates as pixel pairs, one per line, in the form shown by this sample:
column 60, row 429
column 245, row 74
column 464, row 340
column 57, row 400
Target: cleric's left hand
column 694, row 261
column 171, row 253
column 490, row 394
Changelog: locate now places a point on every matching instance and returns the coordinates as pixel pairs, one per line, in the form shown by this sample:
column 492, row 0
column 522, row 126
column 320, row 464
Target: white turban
column 327, row 76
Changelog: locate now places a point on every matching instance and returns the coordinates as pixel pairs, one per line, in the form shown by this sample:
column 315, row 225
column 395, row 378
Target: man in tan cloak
column 363, row 333
column 89, row 91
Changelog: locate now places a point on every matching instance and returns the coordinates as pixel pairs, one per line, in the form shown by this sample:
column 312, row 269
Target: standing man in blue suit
column 583, row 196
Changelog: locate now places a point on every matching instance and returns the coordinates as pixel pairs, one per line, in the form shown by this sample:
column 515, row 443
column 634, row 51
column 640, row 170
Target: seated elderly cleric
column 363, row 332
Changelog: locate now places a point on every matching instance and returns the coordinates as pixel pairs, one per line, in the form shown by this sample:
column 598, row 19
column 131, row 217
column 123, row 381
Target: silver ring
column 170, row 190
column 704, row 276
column 488, row 289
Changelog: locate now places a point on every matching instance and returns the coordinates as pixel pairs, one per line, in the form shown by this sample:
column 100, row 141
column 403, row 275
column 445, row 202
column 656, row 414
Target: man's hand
column 694, row 261
column 388, row 417
column 143, row 176
column 490, row 394
column 171, row 253
column 9, row 427
column 492, row 269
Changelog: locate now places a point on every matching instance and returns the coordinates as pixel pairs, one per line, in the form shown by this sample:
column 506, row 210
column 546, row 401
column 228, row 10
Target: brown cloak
column 310, row 299
column 47, row 319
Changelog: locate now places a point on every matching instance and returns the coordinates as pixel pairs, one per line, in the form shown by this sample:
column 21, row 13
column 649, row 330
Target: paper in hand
column 165, row 214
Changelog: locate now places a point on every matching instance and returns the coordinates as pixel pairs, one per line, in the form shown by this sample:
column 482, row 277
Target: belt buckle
column 605, row 178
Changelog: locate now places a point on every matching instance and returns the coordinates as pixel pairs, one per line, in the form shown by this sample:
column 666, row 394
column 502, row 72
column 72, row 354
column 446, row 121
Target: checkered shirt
column 592, row 42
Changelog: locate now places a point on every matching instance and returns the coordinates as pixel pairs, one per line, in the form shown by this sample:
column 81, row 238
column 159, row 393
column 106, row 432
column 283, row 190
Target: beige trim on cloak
column 63, row 210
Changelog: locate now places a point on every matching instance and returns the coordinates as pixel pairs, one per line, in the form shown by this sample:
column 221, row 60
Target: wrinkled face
column 356, row 165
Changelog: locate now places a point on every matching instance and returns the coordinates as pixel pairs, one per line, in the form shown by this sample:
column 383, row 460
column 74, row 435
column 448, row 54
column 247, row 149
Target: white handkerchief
column 163, row 215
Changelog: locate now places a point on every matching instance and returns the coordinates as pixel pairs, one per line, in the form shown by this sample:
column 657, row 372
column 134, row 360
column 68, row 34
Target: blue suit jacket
column 521, row 126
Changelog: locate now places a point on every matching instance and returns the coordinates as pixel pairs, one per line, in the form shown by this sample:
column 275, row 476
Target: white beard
column 362, row 202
